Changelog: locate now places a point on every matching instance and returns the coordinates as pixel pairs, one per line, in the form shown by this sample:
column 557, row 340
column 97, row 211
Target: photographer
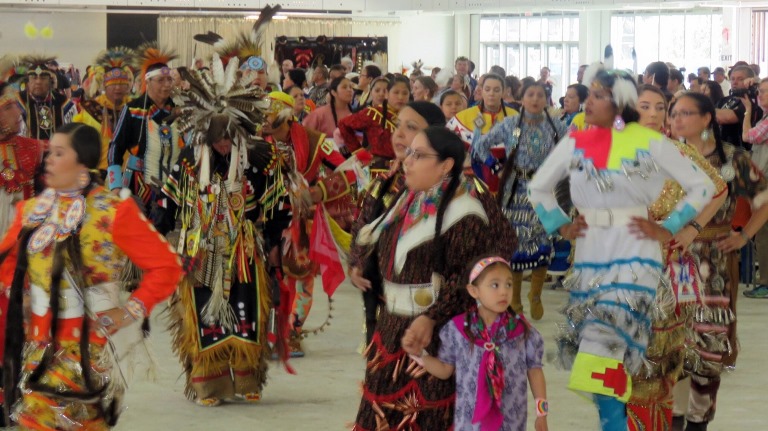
column 758, row 137
column 731, row 110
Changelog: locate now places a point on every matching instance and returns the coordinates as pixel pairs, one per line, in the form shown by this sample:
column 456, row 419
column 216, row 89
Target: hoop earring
column 83, row 179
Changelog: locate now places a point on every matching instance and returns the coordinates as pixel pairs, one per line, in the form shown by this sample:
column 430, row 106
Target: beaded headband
column 485, row 263
column 165, row 70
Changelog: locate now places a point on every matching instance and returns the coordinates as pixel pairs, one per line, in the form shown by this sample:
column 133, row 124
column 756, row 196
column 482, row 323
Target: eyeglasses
column 683, row 114
column 417, row 155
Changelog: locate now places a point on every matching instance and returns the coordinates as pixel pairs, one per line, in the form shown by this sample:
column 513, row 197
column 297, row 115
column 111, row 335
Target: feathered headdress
column 216, row 106
column 152, row 60
column 7, row 67
column 112, row 67
column 245, row 45
column 622, row 84
column 36, row 64
column 417, row 65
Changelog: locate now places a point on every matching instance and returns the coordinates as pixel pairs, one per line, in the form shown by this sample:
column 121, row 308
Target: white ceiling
column 378, row 7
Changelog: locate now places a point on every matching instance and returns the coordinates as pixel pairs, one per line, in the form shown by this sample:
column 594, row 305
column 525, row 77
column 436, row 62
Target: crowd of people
column 227, row 192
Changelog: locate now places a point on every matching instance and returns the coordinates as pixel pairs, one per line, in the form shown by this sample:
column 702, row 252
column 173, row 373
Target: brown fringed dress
column 397, row 394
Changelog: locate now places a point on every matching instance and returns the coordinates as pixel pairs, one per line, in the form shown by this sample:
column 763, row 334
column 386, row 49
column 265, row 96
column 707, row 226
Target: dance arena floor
column 325, row 392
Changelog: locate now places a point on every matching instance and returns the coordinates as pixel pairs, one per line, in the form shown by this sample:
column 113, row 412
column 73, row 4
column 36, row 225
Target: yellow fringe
column 343, row 239
column 239, row 354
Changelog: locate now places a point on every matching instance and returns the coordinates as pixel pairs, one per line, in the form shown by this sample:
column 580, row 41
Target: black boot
column 678, row 423
column 696, row 426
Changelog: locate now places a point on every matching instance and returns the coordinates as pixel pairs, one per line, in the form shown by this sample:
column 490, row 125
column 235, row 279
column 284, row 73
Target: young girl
column 491, row 349
column 451, row 103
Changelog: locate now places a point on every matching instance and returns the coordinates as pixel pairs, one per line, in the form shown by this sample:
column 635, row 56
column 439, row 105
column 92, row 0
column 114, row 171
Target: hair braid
column 509, row 164
column 439, row 253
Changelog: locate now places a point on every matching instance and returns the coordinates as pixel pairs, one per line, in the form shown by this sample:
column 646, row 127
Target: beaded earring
column 83, row 179
column 618, row 123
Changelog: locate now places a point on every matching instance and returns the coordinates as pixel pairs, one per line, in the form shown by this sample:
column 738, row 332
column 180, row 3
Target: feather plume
column 217, row 70
column 7, row 63
column 608, row 57
column 265, row 16
column 119, row 56
column 209, row 38
column 231, row 73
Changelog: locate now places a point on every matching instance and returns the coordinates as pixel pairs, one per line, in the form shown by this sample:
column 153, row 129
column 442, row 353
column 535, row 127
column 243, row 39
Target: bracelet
column 542, row 407
column 135, row 308
column 744, row 235
column 695, row 225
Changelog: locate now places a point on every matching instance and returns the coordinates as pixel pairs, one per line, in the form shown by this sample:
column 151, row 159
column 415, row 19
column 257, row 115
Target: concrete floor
column 325, row 393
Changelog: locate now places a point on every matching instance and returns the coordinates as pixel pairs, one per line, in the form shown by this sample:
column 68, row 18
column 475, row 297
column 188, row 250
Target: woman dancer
column 616, row 169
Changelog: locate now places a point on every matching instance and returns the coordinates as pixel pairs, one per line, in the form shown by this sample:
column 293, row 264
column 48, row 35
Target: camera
column 750, row 92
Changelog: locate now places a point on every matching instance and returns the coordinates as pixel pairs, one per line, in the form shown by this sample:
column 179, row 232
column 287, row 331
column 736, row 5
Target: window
column 689, row 40
column 522, row 45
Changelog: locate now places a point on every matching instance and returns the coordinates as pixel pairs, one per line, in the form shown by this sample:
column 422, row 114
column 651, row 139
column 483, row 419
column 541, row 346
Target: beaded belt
column 608, row 217
column 409, row 299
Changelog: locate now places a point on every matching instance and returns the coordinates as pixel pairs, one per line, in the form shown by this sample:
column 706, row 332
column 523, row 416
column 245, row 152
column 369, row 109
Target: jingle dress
column 110, row 232
column 463, row 125
column 614, row 175
column 397, row 393
column 534, row 244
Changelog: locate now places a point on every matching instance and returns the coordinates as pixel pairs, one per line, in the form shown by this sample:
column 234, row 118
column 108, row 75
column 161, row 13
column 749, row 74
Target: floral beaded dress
column 111, row 229
column 397, row 393
column 529, row 144
column 613, row 287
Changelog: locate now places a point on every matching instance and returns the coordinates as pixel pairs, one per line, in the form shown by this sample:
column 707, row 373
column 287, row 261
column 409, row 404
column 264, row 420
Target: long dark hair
column 715, row 91
column 396, row 79
column 447, row 145
column 331, row 88
column 86, row 141
column 509, row 164
column 705, row 106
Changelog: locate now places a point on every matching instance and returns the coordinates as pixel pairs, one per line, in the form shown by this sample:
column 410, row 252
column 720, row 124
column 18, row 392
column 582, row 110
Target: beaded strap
column 542, row 407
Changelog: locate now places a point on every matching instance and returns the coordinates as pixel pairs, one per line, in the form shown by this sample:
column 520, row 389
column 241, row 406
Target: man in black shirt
column 730, row 110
